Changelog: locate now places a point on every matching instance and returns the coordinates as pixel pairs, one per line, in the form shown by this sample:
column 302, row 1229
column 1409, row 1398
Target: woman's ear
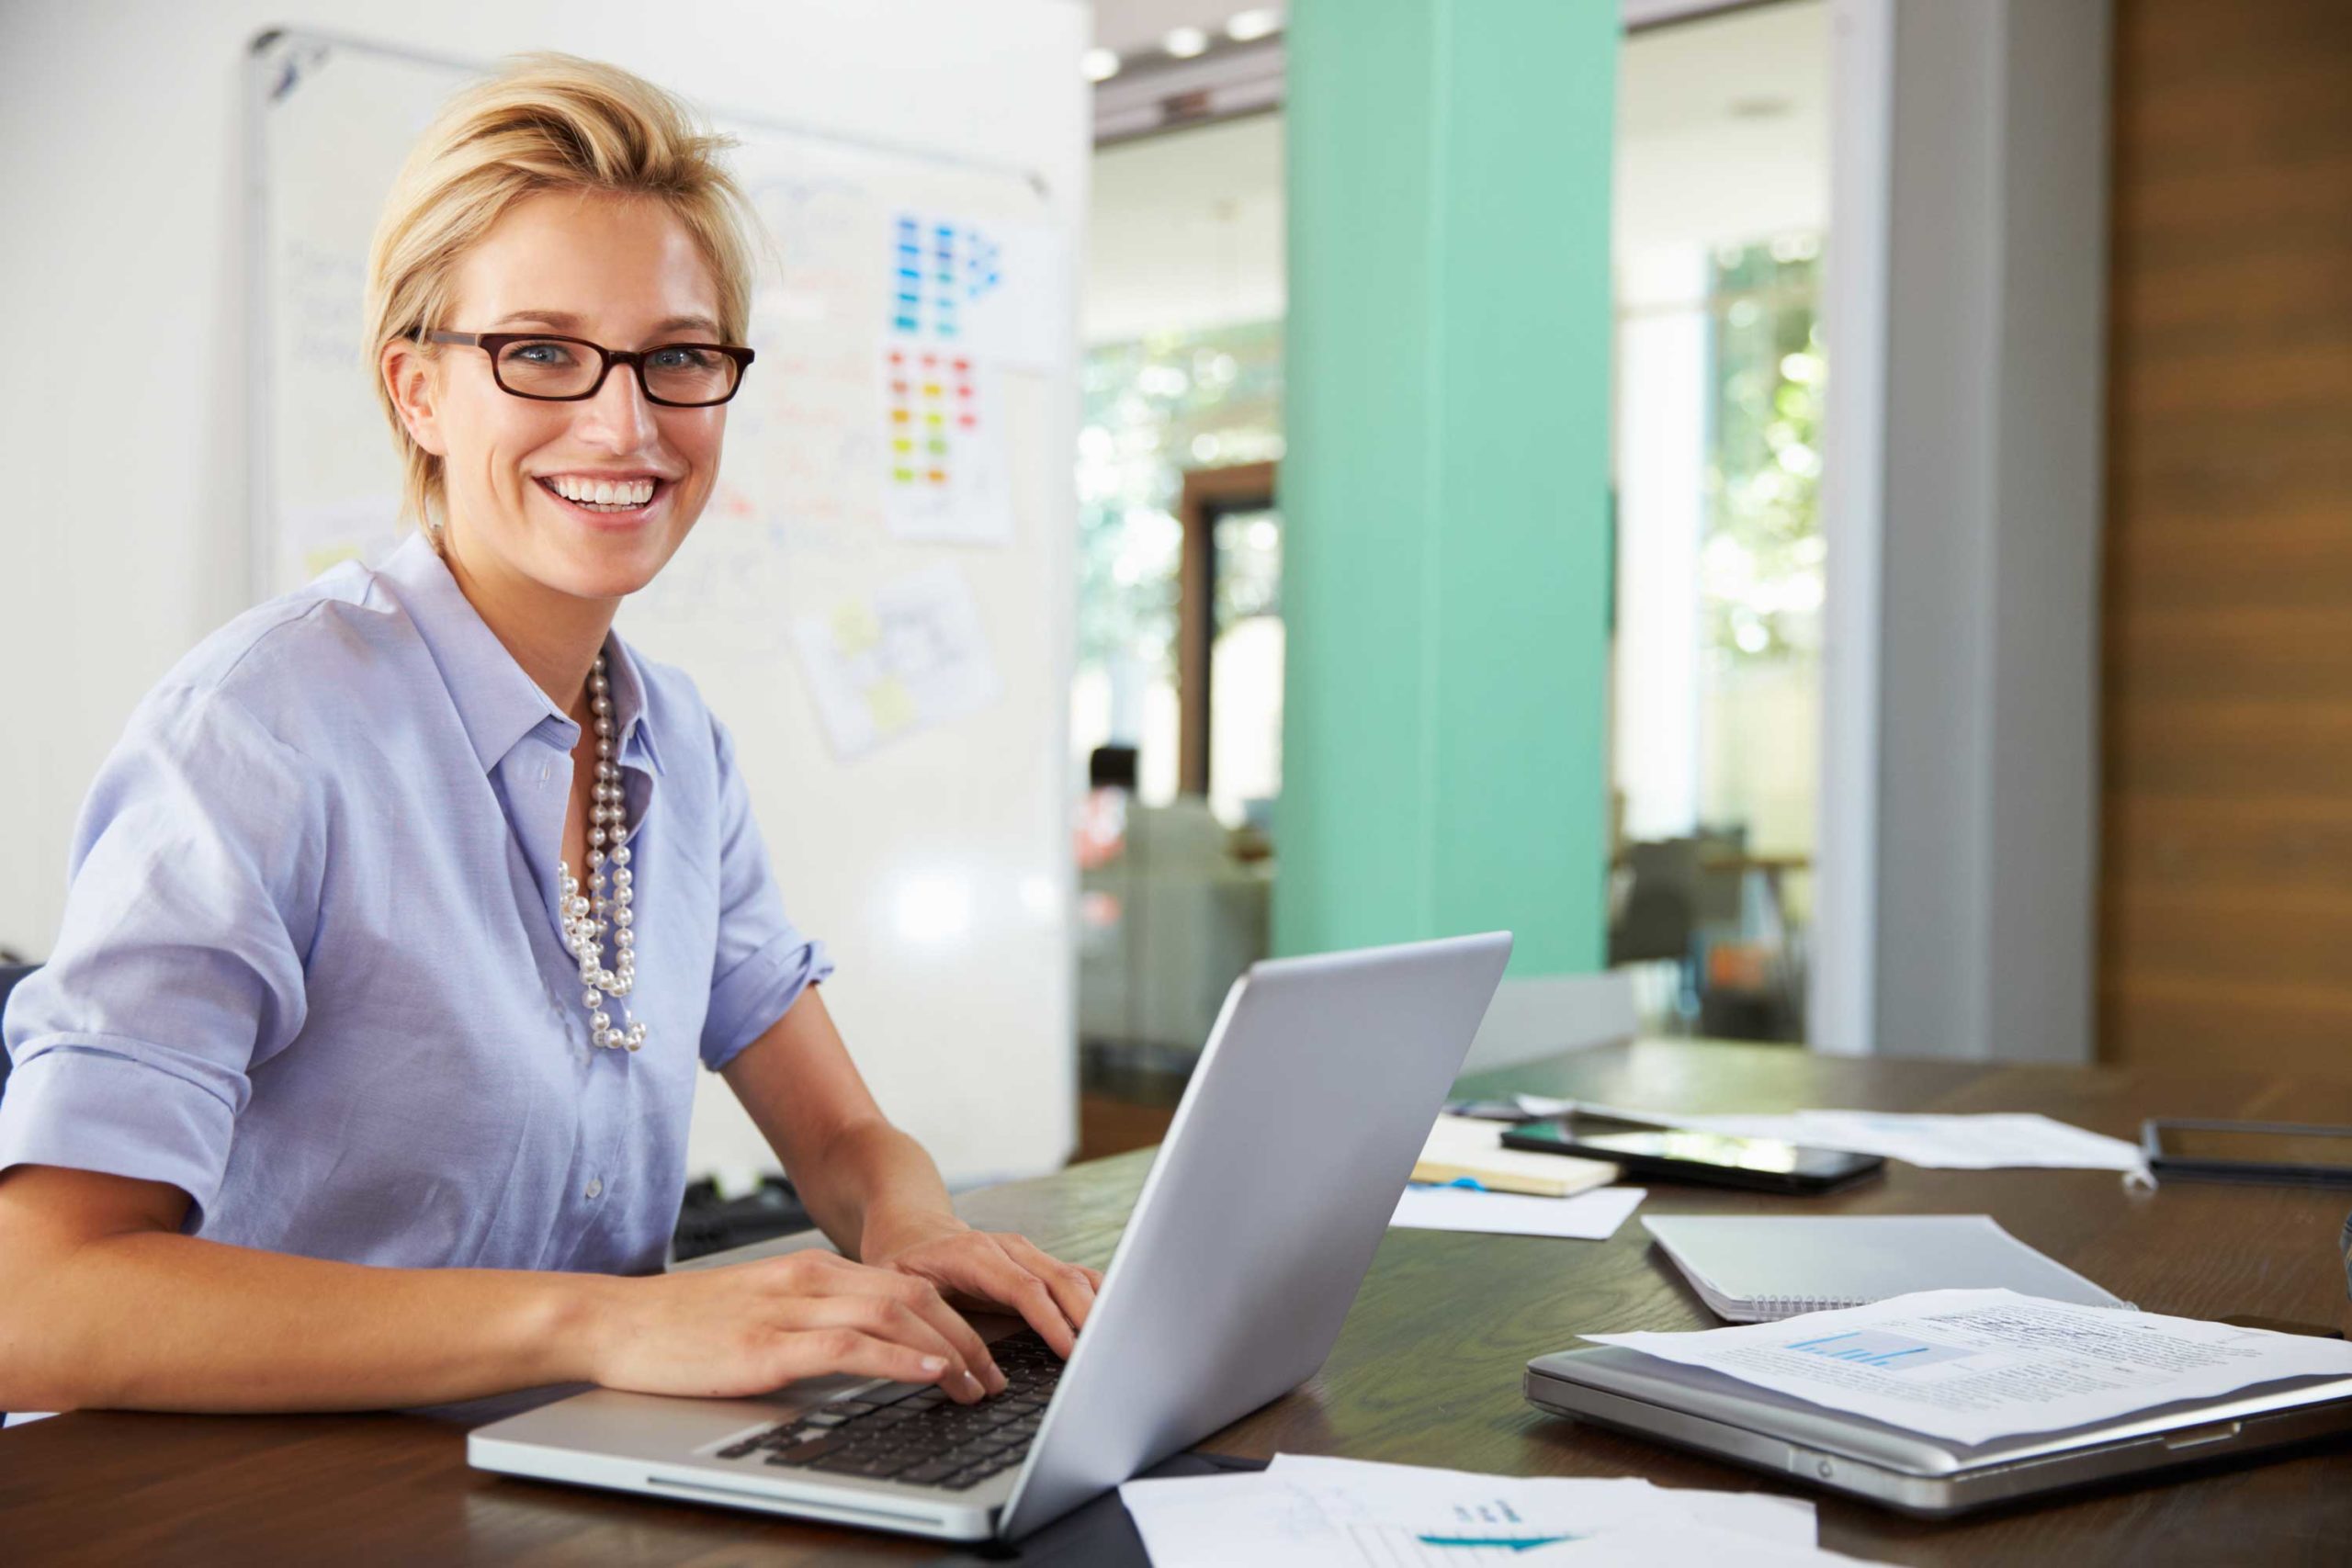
column 414, row 383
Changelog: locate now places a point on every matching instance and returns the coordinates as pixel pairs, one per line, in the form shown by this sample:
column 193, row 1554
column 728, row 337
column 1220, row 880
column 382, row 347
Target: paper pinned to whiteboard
column 945, row 475
column 1000, row 291
column 911, row 655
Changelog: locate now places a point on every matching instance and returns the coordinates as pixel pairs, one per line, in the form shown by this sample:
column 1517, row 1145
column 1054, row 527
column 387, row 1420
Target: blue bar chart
column 1869, row 1347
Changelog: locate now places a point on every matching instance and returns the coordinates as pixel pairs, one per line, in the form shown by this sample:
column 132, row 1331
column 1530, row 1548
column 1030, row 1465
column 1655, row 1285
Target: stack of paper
column 1979, row 1366
column 1333, row 1513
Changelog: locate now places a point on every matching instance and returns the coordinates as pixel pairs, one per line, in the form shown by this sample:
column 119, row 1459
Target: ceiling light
column 1185, row 42
column 1100, row 64
column 1248, row 26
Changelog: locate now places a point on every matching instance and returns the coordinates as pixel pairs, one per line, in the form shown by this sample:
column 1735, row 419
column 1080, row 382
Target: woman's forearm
column 868, row 1173
column 157, row 1321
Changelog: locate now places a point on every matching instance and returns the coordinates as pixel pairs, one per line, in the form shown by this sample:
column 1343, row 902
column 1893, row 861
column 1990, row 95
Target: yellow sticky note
column 892, row 706
column 320, row 560
column 855, row 628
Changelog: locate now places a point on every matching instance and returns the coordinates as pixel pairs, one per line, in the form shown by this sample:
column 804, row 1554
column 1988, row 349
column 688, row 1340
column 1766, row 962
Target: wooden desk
column 1426, row 1371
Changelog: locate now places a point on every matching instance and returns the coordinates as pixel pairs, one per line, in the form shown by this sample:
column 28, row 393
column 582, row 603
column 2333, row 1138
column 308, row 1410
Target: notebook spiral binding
column 1771, row 1309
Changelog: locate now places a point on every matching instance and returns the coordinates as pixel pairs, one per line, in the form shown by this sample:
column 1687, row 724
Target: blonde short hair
column 546, row 122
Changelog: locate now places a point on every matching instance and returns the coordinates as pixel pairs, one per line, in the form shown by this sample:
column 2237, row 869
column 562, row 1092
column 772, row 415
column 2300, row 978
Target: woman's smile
column 608, row 500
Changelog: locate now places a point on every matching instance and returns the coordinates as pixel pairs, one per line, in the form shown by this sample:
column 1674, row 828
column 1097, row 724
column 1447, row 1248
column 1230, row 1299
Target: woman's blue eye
column 676, row 360
column 541, row 353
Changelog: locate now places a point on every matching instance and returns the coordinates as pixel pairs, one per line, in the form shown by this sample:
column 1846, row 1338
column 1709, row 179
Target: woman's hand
column 988, row 1270
column 750, row 1328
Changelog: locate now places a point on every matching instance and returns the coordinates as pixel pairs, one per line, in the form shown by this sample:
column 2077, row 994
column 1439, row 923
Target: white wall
column 122, row 420
column 1184, row 232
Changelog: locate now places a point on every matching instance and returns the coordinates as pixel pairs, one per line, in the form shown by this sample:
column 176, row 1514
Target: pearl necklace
column 584, row 919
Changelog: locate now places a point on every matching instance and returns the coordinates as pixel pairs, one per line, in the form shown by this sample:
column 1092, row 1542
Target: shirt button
column 596, row 1187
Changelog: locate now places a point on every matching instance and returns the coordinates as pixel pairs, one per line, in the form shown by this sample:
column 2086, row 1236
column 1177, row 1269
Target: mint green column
column 1444, row 488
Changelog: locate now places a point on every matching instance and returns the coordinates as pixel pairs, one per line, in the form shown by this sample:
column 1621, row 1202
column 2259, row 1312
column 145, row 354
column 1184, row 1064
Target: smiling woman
column 340, row 1091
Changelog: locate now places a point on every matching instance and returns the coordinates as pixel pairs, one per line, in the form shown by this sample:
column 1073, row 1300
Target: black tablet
column 2249, row 1151
column 1674, row 1154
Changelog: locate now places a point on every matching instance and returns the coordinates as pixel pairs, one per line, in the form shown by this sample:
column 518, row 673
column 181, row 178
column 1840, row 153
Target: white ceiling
column 1723, row 135
column 1128, row 25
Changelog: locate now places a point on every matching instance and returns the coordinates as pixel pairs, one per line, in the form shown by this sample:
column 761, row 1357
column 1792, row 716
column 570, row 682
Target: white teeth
column 621, row 494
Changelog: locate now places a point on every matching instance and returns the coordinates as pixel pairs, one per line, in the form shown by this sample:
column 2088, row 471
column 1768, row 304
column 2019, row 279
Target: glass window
column 1153, row 409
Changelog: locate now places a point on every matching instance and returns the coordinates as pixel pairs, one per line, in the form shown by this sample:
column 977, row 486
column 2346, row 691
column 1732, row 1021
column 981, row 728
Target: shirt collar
column 497, row 702
column 630, row 720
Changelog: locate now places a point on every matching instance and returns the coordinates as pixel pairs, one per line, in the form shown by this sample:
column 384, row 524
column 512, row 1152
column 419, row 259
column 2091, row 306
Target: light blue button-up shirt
column 313, row 972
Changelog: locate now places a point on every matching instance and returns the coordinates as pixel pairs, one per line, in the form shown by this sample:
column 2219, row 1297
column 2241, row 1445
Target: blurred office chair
column 1656, row 921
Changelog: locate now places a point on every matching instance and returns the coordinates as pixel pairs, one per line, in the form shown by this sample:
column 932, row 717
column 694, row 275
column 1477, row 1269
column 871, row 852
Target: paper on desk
column 1588, row 1216
column 1974, row 1366
column 1988, row 1141
column 1685, row 1546
column 1332, row 1513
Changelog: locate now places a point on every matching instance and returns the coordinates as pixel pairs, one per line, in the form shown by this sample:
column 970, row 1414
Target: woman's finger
column 813, row 1352
column 922, row 1296
column 894, row 1321
column 1003, row 1280
column 1072, row 1287
column 917, row 1293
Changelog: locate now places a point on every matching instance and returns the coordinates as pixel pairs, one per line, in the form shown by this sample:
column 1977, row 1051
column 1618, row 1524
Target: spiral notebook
column 1758, row 1268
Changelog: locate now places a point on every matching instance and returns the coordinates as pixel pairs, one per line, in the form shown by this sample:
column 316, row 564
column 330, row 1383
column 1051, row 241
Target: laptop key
column 809, row 1452
column 823, row 1418
column 891, row 1392
column 970, row 1475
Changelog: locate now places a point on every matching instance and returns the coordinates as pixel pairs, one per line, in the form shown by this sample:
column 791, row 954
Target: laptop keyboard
column 915, row 1433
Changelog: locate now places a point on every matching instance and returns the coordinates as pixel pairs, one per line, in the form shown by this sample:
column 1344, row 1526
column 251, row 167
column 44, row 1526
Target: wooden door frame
column 1208, row 495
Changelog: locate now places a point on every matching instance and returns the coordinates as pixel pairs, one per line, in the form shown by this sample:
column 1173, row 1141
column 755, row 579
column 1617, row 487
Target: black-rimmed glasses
column 559, row 369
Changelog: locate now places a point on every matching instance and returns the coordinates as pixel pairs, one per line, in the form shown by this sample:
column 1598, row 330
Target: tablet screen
column 1699, row 1149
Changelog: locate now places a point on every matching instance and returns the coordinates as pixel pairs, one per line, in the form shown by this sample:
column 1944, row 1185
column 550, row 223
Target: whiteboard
column 877, row 600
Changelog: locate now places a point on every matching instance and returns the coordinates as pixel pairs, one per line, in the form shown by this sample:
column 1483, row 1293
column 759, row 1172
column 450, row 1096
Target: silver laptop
column 1693, row 1407
column 1253, row 1230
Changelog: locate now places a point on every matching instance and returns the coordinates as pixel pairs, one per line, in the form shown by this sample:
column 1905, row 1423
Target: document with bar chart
column 1975, row 1366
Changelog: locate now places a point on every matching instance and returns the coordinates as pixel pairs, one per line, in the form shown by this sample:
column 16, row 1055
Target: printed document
column 1304, row 1512
column 1977, row 1366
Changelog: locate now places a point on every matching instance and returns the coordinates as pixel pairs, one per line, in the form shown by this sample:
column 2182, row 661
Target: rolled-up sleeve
column 193, row 898
column 763, row 963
